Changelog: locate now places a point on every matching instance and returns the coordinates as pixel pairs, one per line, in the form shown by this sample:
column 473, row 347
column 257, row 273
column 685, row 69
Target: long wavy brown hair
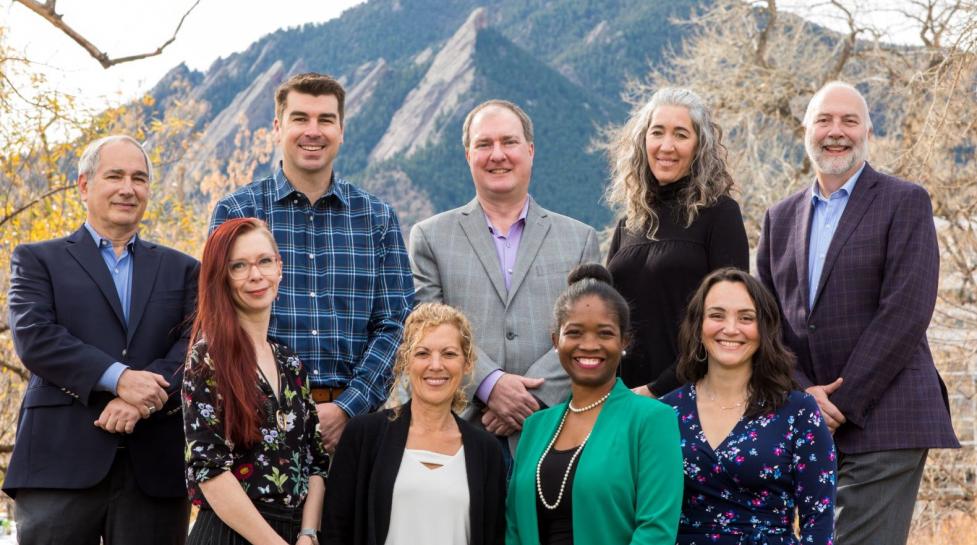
column 773, row 363
column 632, row 193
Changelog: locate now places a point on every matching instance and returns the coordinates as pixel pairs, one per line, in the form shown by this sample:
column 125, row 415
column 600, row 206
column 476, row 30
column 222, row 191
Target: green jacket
column 628, row 484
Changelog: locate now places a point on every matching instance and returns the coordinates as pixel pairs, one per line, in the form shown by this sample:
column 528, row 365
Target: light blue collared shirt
column 825, row 216
column 120, row 269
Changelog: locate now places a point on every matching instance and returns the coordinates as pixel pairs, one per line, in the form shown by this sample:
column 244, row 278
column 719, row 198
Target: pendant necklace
column 280, row 420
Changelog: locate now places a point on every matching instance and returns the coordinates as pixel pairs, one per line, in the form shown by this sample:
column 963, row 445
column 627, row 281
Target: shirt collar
column 101, row 241
column 284, row 188
column 522, row 216
column 844, row 190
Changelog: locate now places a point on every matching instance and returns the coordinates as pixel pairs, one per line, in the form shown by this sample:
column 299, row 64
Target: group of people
column 314, row 380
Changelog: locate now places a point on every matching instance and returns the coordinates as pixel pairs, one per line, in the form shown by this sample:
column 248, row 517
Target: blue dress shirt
column 346, row 288
column 824, row 221
column 120, row 269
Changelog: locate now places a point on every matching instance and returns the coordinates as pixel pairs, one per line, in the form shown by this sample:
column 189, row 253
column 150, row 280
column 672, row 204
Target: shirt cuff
column 109, row 381
column 488, row 383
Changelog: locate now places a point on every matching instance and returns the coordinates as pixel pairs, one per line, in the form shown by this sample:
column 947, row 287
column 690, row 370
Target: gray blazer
column 455, row 262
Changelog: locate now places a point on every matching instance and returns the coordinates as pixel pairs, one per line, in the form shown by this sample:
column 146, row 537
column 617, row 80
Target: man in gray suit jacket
column 503, row 260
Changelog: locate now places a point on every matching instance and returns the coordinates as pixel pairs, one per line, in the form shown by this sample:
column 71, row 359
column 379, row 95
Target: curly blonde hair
column 630, row 192
column 422, row 320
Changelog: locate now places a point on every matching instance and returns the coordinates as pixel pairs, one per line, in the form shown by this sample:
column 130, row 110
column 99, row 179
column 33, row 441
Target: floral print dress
column 745, row 491
column 273, row 472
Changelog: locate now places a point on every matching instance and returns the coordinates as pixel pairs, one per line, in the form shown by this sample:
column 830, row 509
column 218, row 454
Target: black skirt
column 209, row 529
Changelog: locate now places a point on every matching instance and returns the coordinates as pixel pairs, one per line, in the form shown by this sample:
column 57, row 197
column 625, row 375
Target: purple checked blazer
column 868, row 324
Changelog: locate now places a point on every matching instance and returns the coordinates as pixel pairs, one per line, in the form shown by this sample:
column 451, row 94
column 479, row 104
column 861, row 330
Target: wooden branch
column 34, row 201
column 6, row 449
column 46, row 11
column 759, row 55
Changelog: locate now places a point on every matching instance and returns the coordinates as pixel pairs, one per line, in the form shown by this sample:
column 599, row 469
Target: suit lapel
column 476, row 229
column 145, row 266
column 802, row 233
column 83, row 249
column 858, row 203
column 537, row 226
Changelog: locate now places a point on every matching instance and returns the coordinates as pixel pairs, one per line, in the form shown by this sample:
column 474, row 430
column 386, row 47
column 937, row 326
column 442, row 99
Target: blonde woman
column 417, row 473
column 678, row 222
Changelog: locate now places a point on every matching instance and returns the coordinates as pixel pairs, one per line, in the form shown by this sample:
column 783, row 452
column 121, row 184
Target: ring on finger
column 151, row 408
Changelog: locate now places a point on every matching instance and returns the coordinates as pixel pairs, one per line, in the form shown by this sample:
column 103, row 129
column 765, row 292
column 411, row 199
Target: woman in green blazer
column 605, row 467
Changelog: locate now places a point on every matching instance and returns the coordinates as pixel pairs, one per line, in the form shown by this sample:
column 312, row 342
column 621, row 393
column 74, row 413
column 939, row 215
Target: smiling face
column 117, row 193
column 500, row 158
column 257, row 271
column 589, row 342
column 729, row 326
column 671, row 143
column 436, row 366
column 309, row 133
column 836, row 137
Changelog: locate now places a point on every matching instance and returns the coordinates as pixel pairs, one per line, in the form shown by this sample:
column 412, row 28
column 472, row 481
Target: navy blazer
column 359, row 491
column 68, row 328
column 873, row 305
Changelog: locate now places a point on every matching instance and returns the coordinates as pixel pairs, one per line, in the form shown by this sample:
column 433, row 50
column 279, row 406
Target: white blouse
column 430, row 506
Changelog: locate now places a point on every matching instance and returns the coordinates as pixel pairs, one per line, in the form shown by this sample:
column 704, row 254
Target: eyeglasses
column 241, row 269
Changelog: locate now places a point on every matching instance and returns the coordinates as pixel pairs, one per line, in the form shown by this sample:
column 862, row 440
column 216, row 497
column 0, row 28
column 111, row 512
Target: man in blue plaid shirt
column 347, row 285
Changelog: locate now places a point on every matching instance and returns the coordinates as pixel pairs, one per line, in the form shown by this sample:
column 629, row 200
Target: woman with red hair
column 255, row 460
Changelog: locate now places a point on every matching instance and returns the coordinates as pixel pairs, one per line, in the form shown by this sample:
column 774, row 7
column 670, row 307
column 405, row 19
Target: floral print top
column 275, row 471
column 746, row 490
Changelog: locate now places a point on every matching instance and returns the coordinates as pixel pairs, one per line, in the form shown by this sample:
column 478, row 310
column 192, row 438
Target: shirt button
column 315, row 371
column 509, row 271
column 315, row 332
column 312, row 294
column 116, row 271
column 311, row 256
column 310, row 218
column 510, row 335
column 507, row 245
column 296, row 201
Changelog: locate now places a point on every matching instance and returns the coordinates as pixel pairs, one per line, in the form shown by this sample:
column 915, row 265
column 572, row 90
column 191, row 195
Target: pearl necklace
column 566, row 474
column 593, row 405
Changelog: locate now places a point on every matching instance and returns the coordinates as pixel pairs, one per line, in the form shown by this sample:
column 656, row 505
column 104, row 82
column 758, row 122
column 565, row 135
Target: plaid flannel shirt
column 347, row 285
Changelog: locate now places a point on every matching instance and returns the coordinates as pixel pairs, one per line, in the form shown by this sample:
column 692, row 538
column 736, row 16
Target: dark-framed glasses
column 241, row 268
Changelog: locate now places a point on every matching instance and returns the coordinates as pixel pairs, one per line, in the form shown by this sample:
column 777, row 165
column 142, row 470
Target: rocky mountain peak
column 440, row 93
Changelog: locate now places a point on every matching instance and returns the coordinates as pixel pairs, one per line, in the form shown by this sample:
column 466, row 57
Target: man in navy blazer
column 99, row 319
column 854, row 264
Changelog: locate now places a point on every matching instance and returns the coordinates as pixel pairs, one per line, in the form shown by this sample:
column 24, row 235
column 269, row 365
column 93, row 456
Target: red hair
column 229, row 347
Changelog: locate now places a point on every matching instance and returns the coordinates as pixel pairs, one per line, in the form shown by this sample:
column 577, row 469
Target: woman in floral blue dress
column 255, row 460
column 756, row 450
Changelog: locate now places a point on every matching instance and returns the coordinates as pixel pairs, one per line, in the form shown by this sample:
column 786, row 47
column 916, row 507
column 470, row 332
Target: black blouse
column 273, row 472
column 556, row 525
column 658, row 277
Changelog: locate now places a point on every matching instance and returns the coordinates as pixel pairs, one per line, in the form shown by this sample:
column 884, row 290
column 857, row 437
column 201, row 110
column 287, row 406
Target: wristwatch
column 311, row 532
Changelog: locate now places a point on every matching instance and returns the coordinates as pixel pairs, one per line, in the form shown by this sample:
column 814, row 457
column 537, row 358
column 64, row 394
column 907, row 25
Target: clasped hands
column 140, row 394
column 510, row 403
column 832, row 415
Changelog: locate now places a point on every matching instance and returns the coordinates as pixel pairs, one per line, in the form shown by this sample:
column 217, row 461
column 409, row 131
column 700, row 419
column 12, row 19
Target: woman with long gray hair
column 671, row 188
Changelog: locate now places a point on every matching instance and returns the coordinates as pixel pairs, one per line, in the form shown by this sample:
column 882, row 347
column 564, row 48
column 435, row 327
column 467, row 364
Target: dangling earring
column 624, row 353
column 702, row 349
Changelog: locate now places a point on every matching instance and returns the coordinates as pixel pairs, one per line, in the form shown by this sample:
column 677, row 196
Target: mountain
column 412, row 70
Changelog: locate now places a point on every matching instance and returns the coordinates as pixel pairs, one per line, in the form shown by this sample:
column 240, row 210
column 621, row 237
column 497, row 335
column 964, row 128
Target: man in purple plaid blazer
column 854, row 263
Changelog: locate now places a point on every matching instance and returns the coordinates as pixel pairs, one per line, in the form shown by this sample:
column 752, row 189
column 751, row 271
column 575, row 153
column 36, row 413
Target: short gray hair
column 527, row 123
column 88, row 163
column 809, row 113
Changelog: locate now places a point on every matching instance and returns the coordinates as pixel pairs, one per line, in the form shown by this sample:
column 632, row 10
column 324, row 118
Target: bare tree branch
column 46, row 10
column 34, row 201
